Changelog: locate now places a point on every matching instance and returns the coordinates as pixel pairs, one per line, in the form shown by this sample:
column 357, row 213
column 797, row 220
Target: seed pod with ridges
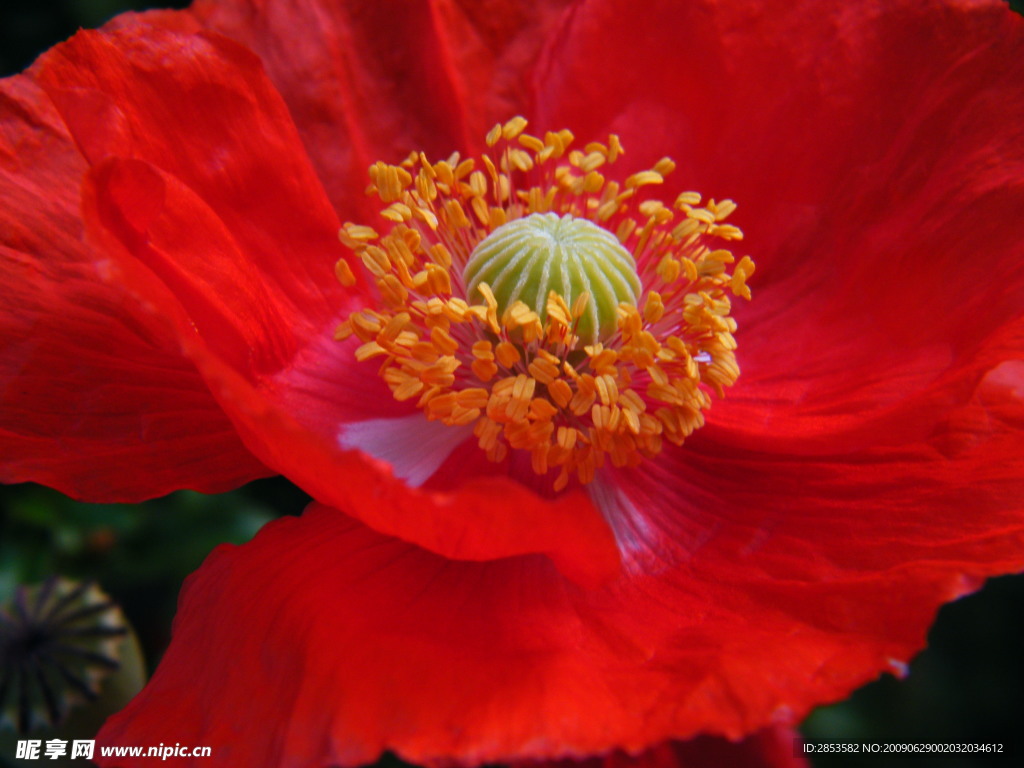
column 525, row 259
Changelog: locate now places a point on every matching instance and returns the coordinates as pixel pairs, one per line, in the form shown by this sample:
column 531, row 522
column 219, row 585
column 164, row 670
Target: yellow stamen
column 525, row 370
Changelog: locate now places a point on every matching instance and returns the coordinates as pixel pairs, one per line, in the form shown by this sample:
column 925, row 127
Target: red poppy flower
column 177, row 328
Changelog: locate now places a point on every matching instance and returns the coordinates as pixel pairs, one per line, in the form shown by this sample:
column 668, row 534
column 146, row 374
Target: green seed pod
column 68, row 660
column 527, row 258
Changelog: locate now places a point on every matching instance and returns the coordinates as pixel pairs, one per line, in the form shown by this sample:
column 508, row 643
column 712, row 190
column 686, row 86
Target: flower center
column 526, row 259
column 571, row 317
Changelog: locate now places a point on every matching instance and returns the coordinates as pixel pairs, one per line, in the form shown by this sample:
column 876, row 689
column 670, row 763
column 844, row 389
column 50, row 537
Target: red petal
column 375, row 83
column 235, row 245
column 212, row 121
column 99, row 402
column 847, row 557
column 755, row 588
column 771, row 748
column 331, row 643
column 876, row 182
column 291, row 418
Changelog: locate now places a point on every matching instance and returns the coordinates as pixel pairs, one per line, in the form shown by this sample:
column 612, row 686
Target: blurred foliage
column 139, row 553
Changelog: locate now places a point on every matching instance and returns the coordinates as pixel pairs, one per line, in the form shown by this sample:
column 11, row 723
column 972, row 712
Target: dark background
column 968, row 686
